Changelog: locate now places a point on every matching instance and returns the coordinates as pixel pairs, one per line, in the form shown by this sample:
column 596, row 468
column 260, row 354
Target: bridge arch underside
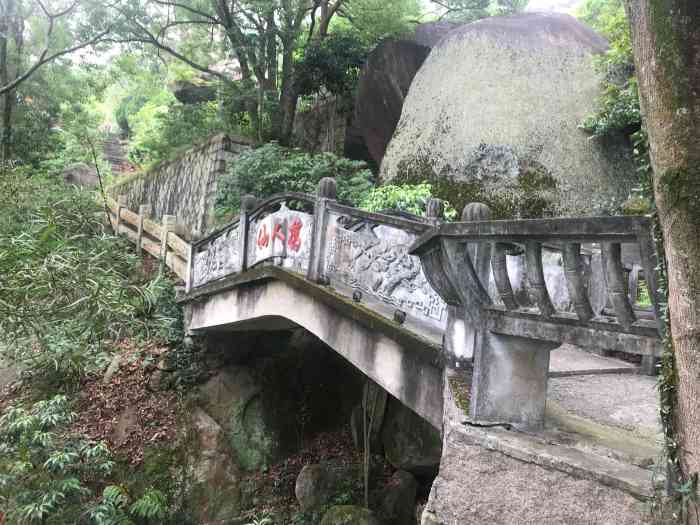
column 405, row 365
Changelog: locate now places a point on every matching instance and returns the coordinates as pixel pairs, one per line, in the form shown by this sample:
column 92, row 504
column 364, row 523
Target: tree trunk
column 666, row 42
column 288, row 98
column 5, row 22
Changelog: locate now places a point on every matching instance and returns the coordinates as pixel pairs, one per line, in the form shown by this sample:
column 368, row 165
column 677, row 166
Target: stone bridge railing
column 499, row 294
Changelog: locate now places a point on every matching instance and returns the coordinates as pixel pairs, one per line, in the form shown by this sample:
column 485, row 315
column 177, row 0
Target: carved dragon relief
column 221, row 258
column 381, row 266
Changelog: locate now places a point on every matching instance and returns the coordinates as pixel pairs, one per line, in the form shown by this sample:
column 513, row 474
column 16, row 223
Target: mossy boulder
column 494, row 115
column 349, row 515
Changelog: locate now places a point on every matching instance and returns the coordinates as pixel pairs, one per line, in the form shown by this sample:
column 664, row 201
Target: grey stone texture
column 500, row 100
column 382, row 88
column 410, row 443
column 477, row 485
column 80, row 174
column 313, row 487
column 184, row 187
column 398, row 501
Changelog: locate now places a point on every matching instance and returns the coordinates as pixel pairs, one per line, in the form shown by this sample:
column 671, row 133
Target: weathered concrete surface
column 477, row 485
column 186, row 186
column 497, row 104
column 571, row 360
column 401, row 364
column 629, row 402
column 492, row 475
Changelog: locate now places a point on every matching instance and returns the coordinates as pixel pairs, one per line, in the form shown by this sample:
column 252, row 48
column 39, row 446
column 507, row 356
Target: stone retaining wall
column 186, row 186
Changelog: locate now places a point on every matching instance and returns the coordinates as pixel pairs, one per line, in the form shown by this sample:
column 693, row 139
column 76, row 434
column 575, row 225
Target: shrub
column 411, row 198
column 66, row 286
column 272, row 169
column 44, row 474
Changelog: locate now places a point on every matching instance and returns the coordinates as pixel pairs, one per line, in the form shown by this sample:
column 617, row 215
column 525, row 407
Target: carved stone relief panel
column 221, row 258
column 285, row 234
column 378, row 263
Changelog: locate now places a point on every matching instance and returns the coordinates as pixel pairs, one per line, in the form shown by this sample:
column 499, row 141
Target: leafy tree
column 272, row 169
column 471, row 10
column 36, row 33
column 332, row 65
column 666, row 47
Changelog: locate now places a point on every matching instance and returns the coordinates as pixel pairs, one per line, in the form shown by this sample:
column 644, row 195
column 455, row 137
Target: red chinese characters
column 263, row 237
column 294, row 241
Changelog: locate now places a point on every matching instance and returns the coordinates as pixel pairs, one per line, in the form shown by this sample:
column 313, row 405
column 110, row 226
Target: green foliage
column 44, row 475
column 272, row 169
column 619, row 102
column 332, row 65
column 127, row 108
column 375, row 20
column 66, row 286
column 411, row 198
column 471, row 10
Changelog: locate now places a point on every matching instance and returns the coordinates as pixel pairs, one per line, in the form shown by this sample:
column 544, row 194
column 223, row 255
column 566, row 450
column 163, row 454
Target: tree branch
column 188, row 8
column 45, row 58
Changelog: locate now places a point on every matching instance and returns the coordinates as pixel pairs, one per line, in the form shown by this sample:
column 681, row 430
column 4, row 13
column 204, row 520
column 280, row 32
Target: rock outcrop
column 493, row 115
column 382, row 88
column 410, row 443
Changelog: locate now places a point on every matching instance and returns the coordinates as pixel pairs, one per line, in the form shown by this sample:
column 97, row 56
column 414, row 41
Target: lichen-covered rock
column 493, row 115
column 349, row 515
column 233, row 398
column 313, row 487
column 410, row 443
column 398, row 502
column 213, row 490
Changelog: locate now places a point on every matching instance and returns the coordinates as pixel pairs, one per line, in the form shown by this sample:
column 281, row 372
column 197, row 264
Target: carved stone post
column 327, row 191
column 248, row 204
column 121, row 203
column 169, row 222
column 509, row 381
column 144, row 212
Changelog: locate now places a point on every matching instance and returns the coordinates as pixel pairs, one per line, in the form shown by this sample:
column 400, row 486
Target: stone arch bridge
column 405, row 298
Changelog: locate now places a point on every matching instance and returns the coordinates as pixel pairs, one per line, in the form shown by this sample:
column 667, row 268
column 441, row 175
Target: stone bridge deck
column 403, row 297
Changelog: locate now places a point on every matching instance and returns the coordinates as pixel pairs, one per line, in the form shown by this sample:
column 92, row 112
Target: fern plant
column 42, row 471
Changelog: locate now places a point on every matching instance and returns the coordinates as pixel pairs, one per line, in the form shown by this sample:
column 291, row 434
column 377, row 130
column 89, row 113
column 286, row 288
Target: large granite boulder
column 382, row 88
column 493, row 115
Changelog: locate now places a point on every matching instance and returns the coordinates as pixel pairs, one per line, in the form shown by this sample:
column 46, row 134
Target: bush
column 66, row 286
column 44, row 474
column 412, row 198
column 272, row 169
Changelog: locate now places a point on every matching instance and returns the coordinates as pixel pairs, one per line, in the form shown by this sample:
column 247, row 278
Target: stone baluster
column 537, row 287
column 327, row 192
column 499, row 265
column 573, row 271
column 617, row 289
column 248, row 204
